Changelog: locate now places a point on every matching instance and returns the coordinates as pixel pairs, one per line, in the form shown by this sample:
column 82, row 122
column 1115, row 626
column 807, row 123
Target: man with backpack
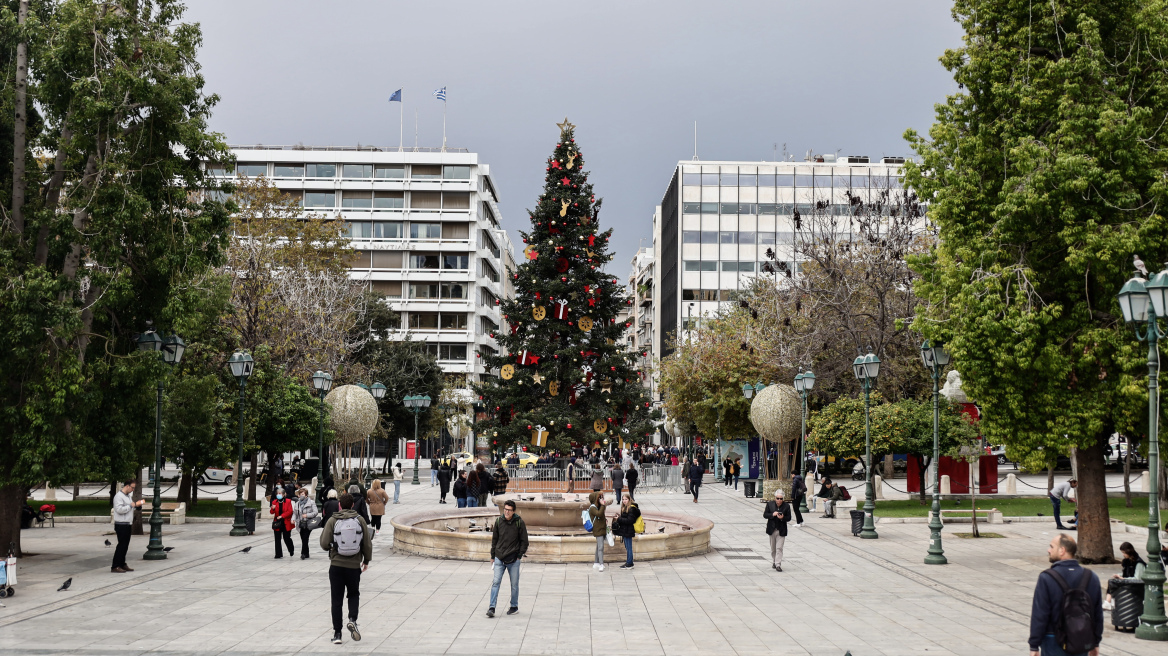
column 1066, row 618
column 349, row 542
column 508, row 547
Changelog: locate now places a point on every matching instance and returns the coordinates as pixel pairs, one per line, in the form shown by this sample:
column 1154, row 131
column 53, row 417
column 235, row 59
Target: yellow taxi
column 525, row 459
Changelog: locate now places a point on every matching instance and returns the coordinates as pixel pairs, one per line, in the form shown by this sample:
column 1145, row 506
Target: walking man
column 618, row 481
column 508, row 547
column 433, row 471
column 1058, row 494
column 696, row 472
column 1066, row 618
column 349, row 542
column 777, row 513
column 798, row 491
column 123, row 519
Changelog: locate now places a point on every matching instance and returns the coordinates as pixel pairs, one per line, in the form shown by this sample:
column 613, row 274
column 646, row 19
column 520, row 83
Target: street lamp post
column 1141, row 304
column 322, row 383
column 749, row 391
column 241, row 365
column 804, row 383
column 171, row 351
column 416, row 404
column 935, row 358
column 378, row 391
column 867, row 369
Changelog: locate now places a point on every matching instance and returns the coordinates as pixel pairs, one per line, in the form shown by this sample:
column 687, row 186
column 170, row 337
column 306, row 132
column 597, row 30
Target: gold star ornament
column 565, row 127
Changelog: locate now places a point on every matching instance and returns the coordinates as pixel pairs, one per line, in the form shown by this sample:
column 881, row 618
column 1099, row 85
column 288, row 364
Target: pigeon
column 1139, row 264
column 167, row 549
column 451, row 528
column 473, row 523
column 245, row 550
column 65, row 586
column 661, row 530
column 108, row 544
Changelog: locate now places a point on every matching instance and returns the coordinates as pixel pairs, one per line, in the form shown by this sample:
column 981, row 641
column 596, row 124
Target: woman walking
column 443, row 482
column 377, row 500
column 302, row 514
column 486, row 485
column 460, row 490
column 695, row 478
column 472, row 489
column 398, row 476
column 281, row 511
column 330, row 505
column 625, row 527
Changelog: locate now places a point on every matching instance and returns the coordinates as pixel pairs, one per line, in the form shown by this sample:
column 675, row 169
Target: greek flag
column 440, row 94
column 396, row 97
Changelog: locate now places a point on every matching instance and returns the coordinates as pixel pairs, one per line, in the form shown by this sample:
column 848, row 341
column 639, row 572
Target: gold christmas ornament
column 538, row 312
column 564, row 209
column 571, row 161
column 537, row 378
column 565, row 127
column 600, row 425
column 507, row 371
column 776, row 412
column 585, row 323
column 530, row 252
column 354, row 413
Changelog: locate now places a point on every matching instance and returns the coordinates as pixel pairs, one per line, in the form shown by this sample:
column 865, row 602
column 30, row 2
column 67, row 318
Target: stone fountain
column 553, row 526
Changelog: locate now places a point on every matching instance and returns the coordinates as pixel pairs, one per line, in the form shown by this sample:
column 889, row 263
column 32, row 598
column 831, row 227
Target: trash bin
column 1129, row 603
column 249, row 515
column 857, row 521
column 748, row 488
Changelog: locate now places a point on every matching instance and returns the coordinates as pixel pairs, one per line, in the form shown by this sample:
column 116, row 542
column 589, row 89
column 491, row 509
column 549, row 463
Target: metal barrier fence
column 551, row 478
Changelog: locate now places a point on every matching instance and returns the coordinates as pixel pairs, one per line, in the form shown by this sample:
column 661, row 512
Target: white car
column 216, row 475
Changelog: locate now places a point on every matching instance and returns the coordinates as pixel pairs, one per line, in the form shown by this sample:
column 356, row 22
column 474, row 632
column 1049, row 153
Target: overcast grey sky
column 827, row 75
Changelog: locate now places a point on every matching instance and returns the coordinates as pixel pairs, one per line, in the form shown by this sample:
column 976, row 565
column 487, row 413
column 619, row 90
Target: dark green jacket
column 354, row 561
column 509, row 539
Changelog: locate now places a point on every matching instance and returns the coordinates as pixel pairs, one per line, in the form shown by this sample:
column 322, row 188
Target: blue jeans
column 472, row 502
column 497, row 578
column 396, row 490
column 1050, row 647
column 628, row 551
column 433, row 477
column 618, row 495
column 461, row 502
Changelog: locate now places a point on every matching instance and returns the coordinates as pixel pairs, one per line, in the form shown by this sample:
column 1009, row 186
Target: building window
column 289, row 170
column 425, row 172
column 320, row 199
column 360, row 230
column 387, row 230
column 214, row 168
column 486, row 242
column 700, row 265
column 390, row 172
column 823, row 180
column 486, row 298
column 426, row 200
column 251, row 170
column 710, row 179
column 803, row 179
column 746, row 180
column 425, row 231
column 766, row 238
column 459, row 231
column 766, row 179
column 453, row 321
column 391, row 288
column 356, row 200
column 746, row 237
column 453, row 290
column 456, row 173
column 387, row 259
column 699, row 294
column 424, row 261
column 424, row 320
column 691, row 237
column 357, row 171
column 423, row 290
column 456, row 200
column 487, row 327
column 728, row 237
column 456, row 261
column 322, row 170
column 359, row 260
column 729, row 180
column 691, row 179
column 445, row 351
column 488, row 271
column 388, row 200
column 691, row 208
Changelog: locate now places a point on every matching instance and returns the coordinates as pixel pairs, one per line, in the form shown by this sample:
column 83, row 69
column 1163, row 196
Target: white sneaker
column 595, row 565
column 601, row 568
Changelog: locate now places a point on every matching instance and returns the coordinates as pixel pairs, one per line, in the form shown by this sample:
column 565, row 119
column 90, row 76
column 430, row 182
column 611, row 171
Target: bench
column 171, row 512
column 992, row 515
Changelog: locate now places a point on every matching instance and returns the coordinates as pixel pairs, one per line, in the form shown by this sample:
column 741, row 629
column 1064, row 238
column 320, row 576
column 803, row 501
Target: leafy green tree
column 93, row 236
column 1045, row 173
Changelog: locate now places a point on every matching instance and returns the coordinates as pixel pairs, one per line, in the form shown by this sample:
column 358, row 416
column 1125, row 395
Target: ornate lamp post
column 416, row 404
column 749, row 391
column 867, row 369
column 1142, row 304
column 935, row 358
column 322, row 383
column 170, row 350
column 378, row 391
column 241, row 365
column 804, row 383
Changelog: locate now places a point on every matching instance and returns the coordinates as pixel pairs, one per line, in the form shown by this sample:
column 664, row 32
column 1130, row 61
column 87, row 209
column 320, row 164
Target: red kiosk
column 956, row 470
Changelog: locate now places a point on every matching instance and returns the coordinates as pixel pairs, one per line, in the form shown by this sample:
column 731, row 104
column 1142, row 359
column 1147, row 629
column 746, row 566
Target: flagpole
column 401, row 117
column 443, row 124
column 415, row 129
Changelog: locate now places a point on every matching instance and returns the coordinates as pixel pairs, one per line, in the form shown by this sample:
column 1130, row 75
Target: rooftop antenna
column 695, row 157
column 775, row 158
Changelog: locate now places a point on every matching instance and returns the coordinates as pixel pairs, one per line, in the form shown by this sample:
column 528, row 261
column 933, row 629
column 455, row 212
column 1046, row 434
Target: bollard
column 1145, row 481
column 50, row 492
column 878, row 486
column 945, row 489
column 1011, row 484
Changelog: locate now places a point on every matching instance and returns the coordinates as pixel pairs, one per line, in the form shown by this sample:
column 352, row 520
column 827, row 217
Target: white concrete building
column 642, row 289
column 717, row 219
column 426, row 227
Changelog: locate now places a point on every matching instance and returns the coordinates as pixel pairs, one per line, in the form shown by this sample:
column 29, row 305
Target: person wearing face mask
column 282, row 523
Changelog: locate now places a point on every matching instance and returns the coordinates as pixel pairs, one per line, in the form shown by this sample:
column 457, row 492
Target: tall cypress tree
column 564, row 368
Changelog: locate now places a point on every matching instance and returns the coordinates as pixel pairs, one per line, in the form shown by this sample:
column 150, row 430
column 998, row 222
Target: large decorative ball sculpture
column 353, row 414
column 776, row 413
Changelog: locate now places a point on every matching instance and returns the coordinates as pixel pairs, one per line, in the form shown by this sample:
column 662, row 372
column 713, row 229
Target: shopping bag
column 609, row 539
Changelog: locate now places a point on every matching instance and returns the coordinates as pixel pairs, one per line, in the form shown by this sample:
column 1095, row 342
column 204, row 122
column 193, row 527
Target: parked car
column 1000, row 452
column 460, row 459
column 525, row 459
column 216, row 475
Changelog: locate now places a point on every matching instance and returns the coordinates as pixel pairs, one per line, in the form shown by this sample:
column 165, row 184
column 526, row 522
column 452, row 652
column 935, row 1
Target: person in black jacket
column 1131, row 560
column 330, row 506
column 696, row 472
column 625, row 527
column 1047, row 608
column 460, row 490
column 798, row 491
column 631, row 478
column 359, row 503
column 777, row 513
column 443, row 482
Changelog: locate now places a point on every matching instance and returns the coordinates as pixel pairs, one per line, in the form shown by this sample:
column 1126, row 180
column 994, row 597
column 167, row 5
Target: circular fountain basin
column 554, row 532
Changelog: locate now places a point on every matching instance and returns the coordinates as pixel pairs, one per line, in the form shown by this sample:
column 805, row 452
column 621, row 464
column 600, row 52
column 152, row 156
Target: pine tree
column 563, row 368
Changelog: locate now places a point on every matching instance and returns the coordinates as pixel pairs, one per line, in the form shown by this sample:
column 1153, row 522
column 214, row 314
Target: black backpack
column 1074, row 631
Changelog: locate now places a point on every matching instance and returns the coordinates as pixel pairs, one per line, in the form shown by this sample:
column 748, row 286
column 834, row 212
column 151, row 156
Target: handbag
column 312, row 524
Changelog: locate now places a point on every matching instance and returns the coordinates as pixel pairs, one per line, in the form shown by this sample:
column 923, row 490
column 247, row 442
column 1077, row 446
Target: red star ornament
column 565, row 181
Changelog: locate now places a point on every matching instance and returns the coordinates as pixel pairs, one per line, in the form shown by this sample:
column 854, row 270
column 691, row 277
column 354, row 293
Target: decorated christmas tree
column 564, row 375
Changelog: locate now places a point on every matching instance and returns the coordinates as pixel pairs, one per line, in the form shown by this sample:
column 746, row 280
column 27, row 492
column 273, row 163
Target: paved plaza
column 837, row 593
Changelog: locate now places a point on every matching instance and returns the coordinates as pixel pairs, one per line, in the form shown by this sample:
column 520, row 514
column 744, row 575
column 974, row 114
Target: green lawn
column 1137, row 515
column 205, row 508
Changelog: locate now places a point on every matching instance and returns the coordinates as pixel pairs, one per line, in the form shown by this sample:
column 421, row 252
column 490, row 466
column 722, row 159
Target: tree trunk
column 1163, row 475
column 973, row 502
column 20, row 131
column 1049, row 479
column 184, row 487
column 922, row 475
column 11, row 499
column 1127, row 474
column 1091, row 499
column 888, row 467
column 136, row 528
column 251, row 485
column 76, row 490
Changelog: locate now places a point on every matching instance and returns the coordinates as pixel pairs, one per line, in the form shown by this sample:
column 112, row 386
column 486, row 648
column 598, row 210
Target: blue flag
column 440, row 94
column 396, row 97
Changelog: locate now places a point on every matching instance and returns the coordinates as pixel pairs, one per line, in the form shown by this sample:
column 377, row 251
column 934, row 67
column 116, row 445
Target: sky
column 633, row 76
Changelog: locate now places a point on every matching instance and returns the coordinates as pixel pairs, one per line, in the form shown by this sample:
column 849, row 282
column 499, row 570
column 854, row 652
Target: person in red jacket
column 282, row 523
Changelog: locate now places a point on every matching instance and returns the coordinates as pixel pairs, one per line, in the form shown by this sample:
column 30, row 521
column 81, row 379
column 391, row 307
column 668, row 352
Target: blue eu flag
column 396, row 97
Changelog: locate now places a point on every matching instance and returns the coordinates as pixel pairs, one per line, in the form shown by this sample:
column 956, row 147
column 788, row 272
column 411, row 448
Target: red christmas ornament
column 565, row 180
column 569, row 425
column 529, row 427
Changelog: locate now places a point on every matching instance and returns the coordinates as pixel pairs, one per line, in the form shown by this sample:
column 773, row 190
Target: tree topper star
column 565, row 127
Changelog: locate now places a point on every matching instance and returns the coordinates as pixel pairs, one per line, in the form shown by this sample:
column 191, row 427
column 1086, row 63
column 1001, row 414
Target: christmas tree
column 564, row 375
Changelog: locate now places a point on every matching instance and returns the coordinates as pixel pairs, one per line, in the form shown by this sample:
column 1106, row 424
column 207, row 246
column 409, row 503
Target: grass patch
column 101, row 506
column 1137, row 515
column 980, row 534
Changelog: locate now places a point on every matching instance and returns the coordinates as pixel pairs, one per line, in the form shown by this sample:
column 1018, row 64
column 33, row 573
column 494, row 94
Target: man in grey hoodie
column 123, row 521
column 345, row 571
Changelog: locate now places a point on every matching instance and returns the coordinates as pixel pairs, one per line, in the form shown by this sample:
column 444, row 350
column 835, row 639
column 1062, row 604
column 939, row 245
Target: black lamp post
column 804, row 383
column 416, row 404
column 322, row 383
column 378, row 391
column 241, row 365
column 170, row 350
column 1142, row 303
column 935, row 358
column 867, row 369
